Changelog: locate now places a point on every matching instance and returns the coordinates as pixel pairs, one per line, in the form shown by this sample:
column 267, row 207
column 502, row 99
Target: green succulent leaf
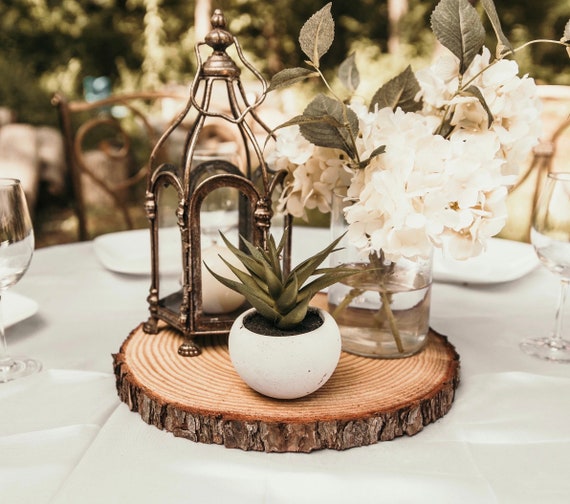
column 288, row 298
column 284, row 303
column 255, row 252
column 273, row 282
column 247, row 284
column 308, row 267
column 457, row 25
column 348, row 73
column 400, row 91
column 282, row 242
column 290, row 76
column 324, row 281
column 231, row 284
column 250, row 263
column 295, row 316
column 317, row 34
column 331, row 124
column 476, row 92
column 273, row 256
column 251, row 282
column 504, row 47
column 265, row 310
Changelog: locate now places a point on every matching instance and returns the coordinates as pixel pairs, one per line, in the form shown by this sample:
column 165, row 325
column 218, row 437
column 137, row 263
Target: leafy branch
column 326, row 121
column 329, row 122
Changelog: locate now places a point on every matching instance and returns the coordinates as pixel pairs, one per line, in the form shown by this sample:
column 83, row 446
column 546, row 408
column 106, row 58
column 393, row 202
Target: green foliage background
column 48, row 45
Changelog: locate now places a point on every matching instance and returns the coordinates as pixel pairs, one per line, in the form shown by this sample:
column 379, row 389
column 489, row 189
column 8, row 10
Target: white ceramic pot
column 285, row 367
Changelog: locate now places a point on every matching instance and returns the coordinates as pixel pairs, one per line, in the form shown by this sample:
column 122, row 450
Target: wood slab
column 203, row 399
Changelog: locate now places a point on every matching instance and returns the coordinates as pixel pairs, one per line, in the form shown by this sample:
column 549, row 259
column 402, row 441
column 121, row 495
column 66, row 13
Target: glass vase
column 383, row 311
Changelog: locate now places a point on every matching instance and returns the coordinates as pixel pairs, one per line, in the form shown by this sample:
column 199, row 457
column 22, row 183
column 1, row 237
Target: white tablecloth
column 66, row 438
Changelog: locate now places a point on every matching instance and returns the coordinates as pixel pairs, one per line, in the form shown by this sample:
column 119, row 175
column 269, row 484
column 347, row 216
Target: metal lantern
column 183, row 309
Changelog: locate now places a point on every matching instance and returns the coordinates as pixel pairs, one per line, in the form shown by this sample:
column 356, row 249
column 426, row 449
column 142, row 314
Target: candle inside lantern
column 216, row 297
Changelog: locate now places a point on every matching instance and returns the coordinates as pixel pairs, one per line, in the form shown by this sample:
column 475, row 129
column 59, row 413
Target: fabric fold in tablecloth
column 59, row 415
column 404, row 470
column 454, row 460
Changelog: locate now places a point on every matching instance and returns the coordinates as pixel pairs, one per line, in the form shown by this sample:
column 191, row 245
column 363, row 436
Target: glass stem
column 5, row 360
column 557, row 335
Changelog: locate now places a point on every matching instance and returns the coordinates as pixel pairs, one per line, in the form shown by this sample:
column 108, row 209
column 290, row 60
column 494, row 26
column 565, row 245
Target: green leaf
column 264, row 309
column 399, row 91
column 273, row 282
column 504, row 47
column 230, row 284
column 308, row 267
column 282, row 242
column 476, row 92
column 263, row 305
column 374, row 153
column 446, row 128
column 251, row 282
column 348, row 73
column 290, row 76
column 250, row 263
column 273, row 255
column 317, row 34
column 334, row 127
column 255, row 252
column 300, row 119
column 295, row 316
column 322, row 282
column 457, row 26
column 288, row 299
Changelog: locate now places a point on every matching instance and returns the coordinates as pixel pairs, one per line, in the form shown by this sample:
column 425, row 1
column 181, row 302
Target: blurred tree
column 54, row 44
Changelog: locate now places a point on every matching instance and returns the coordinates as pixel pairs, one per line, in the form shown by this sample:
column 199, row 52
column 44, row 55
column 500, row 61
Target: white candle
column 216, row 297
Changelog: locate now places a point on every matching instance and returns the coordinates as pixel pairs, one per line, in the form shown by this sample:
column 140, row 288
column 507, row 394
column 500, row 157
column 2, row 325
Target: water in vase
column 388, row 319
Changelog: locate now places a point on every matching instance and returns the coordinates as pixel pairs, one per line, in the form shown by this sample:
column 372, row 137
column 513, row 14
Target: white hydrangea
column 425, row 190
column 314, row 173
column 512, row 100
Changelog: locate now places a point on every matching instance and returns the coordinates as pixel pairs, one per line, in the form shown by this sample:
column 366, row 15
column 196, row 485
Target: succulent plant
column 283, row 299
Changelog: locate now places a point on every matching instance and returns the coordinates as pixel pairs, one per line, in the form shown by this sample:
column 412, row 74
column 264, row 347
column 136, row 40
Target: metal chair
column 107, row 146
column 541, row 163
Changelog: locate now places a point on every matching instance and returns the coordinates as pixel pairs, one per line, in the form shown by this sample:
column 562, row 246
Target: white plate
column 129, row 251
column 503, row 261
column 16, row 308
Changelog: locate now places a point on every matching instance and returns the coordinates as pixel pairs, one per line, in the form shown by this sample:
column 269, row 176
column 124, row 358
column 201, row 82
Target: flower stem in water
column 353, row 293
column 385, row 298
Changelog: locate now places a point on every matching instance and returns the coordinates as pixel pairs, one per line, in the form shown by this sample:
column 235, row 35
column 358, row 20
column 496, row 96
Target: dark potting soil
column 260, row 325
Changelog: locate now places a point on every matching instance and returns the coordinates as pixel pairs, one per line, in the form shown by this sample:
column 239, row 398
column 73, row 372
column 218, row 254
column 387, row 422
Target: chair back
column 107, row 146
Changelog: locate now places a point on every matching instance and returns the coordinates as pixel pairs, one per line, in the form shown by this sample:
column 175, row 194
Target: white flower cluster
column 315, row 173
column 512, row 100
column 425, row 190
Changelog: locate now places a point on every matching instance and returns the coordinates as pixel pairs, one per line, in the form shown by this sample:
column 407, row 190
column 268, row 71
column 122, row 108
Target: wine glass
column 16, row 250
column 550, row 236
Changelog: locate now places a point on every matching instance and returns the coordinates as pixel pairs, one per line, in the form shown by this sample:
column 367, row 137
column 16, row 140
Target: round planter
column 285, row 367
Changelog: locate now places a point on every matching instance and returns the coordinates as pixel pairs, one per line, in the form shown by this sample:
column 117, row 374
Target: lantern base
column 189, row 349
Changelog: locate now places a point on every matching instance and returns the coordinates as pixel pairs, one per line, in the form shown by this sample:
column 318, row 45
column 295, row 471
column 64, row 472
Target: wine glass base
column 19, row 368
column 547, row 348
